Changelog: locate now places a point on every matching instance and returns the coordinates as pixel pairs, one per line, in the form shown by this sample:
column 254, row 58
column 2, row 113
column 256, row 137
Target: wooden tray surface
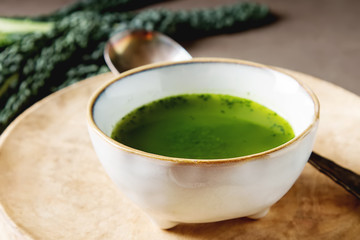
column 53, row 187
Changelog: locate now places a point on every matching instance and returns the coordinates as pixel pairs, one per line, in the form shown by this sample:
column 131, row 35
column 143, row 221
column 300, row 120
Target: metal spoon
column 130, row 49
column 342, row 176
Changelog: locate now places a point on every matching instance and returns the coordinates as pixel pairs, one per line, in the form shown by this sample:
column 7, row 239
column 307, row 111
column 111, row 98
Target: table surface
column 320, row 38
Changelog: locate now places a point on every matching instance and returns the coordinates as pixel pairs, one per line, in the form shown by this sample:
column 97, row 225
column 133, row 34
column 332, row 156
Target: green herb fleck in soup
column 203, row 126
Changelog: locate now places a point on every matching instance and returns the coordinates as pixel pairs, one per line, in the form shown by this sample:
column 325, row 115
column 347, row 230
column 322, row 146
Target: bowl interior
column 273, row 89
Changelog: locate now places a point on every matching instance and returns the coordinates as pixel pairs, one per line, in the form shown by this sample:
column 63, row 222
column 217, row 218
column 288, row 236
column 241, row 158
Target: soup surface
column 203, row 126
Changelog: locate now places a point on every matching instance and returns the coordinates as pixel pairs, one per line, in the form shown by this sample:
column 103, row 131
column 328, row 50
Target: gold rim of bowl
column 198, row 161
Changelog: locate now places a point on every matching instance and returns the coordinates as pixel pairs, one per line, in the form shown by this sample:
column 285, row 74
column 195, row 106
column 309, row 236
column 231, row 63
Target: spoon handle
column 342, row 176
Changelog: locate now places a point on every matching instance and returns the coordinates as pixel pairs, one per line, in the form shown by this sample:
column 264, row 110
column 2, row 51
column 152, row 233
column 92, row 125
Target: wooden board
column 53, row 187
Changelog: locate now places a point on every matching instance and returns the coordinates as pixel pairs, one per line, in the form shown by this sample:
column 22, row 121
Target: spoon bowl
column 130, row 49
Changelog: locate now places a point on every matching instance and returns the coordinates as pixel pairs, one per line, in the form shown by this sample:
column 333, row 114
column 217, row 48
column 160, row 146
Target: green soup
column 203, row 126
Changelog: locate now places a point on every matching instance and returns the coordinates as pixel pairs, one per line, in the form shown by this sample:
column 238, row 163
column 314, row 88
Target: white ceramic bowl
column 174, row 190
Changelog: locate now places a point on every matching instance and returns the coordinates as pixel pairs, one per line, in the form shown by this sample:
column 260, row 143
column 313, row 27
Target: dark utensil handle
column 342, row 176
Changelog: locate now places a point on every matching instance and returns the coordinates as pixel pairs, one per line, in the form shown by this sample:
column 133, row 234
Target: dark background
column 317, row 37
